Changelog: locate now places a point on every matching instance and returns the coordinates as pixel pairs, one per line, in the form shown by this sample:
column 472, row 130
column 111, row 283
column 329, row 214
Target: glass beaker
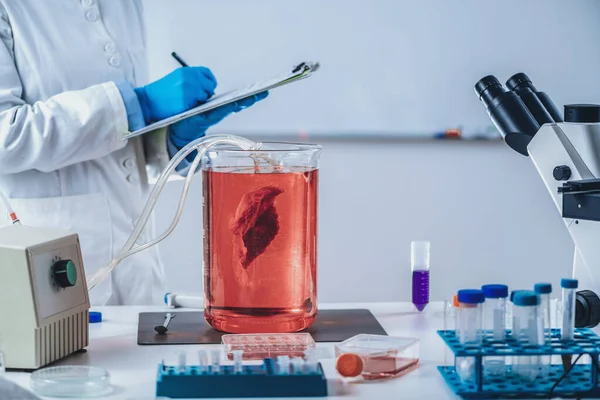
column 260, row 237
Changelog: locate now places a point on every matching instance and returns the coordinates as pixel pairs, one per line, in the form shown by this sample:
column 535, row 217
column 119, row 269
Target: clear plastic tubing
column 494, row 320
column 529, row 331
column 469, row 327
column 201, row 145
column 568, row 308
column 419, row 265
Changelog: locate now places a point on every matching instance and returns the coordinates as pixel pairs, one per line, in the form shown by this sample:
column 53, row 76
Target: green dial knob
column 65, row 273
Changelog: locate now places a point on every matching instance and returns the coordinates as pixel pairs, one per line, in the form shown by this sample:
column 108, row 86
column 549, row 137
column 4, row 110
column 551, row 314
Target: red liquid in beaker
column 260, row 238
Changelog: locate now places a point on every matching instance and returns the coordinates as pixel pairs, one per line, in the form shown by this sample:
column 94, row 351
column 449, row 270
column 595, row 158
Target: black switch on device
column 64, row 273
column 562, row 173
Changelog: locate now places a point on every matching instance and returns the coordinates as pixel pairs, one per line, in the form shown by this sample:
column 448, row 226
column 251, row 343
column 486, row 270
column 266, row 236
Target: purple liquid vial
column 420, row 289
column 419, row 265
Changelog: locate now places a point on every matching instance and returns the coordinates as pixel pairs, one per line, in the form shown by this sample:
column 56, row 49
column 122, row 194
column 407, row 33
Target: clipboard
column 299, row 72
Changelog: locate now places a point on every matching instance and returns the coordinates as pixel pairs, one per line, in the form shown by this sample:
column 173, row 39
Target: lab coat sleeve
column 67, row 128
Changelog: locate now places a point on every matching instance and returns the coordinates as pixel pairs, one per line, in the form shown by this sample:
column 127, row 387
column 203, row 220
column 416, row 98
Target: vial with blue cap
column 494, row 321
column 528, row 331
column 469, row 329
column 544, row 290
column 568, row 308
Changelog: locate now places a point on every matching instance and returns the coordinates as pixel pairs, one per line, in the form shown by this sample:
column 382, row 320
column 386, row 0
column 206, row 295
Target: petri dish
column 71, row 381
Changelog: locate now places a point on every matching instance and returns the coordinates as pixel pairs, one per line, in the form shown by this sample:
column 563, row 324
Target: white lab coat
column 62, row 158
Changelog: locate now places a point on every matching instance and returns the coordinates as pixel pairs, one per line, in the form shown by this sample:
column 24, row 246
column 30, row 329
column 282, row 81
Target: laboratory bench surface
column 113, row 345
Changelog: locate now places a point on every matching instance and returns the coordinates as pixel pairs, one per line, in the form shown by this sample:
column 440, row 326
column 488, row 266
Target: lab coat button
column 128, row 163
column 87, row 2
column 110, row 48
column 114, row 61
column 133, row 179
column 91, row 16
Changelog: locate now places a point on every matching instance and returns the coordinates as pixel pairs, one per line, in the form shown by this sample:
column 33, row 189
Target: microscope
column 566, row 153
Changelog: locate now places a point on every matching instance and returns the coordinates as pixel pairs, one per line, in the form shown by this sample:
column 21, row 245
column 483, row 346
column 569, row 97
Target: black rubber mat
column 189, row 327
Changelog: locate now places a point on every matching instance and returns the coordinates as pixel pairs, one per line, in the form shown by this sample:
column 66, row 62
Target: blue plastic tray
column 581, row 382
column 254, row 381
column 585, row 341
column 576, row 384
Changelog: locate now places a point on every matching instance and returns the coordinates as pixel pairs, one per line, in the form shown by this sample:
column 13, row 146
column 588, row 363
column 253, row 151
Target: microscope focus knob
column 587, row 309
column 64, row 273
column 562, row 173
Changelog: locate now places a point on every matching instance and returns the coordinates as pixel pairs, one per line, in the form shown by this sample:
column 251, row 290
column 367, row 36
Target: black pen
column 179, row 60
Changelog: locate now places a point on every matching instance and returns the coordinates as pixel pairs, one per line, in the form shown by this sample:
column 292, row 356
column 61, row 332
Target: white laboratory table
column 113, row 345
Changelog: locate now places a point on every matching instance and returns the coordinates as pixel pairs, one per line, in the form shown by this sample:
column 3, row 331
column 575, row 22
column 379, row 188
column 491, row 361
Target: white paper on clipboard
column 301, row 71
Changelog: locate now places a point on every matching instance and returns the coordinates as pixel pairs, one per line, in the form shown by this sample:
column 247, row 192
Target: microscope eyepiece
column 519, row 79
column 539, row 103
column 512, row 118
column 486, row 82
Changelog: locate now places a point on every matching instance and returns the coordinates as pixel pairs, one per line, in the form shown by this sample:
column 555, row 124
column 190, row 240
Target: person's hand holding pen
column 182, row 89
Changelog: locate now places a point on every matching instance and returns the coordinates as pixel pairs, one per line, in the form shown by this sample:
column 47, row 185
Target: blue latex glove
column 175, row 93
column 183, row 132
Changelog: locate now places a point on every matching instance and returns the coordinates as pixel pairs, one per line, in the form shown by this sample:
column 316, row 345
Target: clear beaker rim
column 274, row 147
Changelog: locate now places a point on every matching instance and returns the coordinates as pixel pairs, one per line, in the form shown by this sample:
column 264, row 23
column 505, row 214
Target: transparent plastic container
column 369, row 357
column 469, row 329
column 261, row 346
column 529, row 331
column 260, row 237
column 494, row 320
column 71, row 381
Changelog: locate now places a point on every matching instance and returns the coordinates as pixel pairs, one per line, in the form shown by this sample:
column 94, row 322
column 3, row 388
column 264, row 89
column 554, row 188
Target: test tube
column 494, row 320
column 181, row 358
column 469, row 328
column 283, row 363
column 202, row 361
column 419, row 265
column 544, row 290
column 237, row 361
column 298, row 365
column 311, row 361
column 215, row 359
column 528, row 331
column 568, row 315
column 568, row 308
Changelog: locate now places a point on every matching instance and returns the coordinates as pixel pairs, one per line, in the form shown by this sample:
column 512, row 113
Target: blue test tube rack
column 263, row 380
column 581, row 382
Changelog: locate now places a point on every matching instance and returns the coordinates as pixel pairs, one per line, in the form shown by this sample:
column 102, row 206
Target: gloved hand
column 175, row 93
column 187, row 130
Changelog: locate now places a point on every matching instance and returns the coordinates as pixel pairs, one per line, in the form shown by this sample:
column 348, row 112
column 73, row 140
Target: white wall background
column 390, row 67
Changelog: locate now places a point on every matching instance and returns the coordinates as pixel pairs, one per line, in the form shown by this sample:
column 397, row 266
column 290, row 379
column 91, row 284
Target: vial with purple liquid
column 419, row 264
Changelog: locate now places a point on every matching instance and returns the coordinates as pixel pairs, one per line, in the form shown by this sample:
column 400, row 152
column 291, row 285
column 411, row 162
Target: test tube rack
column 262, row 380
column 581, row 382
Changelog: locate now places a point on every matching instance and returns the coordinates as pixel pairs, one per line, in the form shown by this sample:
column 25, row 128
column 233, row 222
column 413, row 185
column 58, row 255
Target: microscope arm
column 558, row 151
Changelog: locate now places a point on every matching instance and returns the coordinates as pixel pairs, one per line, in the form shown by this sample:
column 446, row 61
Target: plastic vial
column 311, row 361
column 202, row 360
column 544, row 290
column 298, row 365
column 568, row 308
column 215, row 359
column 494, row 320
column 237, row 361
column 181, row 361
column 419, row 264
column 469, row 327
column 283, row 363
column 528, row 331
